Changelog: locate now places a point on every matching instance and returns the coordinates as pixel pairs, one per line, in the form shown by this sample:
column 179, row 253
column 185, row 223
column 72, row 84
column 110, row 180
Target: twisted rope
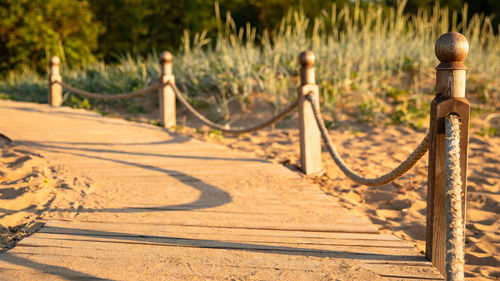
column 109, row 97
column 454, row 219
column 224, row 129
column 392, row 175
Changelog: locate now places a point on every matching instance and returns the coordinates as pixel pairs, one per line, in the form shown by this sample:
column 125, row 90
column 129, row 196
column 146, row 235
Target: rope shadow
column 63, row 272
column 210, row 196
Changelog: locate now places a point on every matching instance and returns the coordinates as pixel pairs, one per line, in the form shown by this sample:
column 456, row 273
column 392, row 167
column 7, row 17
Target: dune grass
column 377, row 63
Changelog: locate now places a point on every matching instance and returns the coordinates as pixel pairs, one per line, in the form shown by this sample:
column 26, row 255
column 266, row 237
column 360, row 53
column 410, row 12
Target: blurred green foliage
column 139, row 26
column 81, row 31
column 373, row 60
column 33, row 30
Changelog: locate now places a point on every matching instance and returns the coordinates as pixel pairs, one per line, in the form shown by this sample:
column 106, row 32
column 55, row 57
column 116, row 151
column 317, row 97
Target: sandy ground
column 29, row 184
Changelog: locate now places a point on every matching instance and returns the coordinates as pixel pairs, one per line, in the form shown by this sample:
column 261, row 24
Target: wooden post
column 310, row 137
column 451, row 49
column 55, row 89
column 166, row 93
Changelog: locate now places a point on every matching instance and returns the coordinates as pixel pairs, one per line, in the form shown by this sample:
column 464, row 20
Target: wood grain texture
column 168, row 207
column 166, row 94
column 436, row 212
column 55, row 89
column 451, row 49
column 451, row 83
column 310, row 136
column 167, row 103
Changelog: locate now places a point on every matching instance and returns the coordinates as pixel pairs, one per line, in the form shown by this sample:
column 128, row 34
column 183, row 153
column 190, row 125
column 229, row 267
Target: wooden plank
column 107, row 241
column 225, row 234
column 436, row 198
column 221, row 220
column 49, row 273
column 171, row 210
column 139, row 252
column 178, row 266
column 160, row 228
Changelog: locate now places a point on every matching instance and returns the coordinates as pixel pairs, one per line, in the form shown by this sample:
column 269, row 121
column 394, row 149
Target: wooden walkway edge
column 160, row 206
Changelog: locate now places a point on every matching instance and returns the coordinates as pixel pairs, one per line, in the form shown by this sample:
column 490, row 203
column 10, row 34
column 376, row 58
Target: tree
column 413, row 5
column 487, row 7
column 138, row 26
column 31, row 31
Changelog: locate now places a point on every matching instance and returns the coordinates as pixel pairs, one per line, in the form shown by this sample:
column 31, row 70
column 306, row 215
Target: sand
column 29, row 186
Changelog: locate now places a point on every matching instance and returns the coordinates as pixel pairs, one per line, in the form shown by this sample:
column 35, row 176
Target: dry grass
column 375, row 63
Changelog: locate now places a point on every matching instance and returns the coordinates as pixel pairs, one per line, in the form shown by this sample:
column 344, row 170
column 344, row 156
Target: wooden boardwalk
column 168, row 207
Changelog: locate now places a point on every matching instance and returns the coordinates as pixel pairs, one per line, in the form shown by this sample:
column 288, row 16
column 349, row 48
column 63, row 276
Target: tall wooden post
column 310, row 138
column 451, row 49
column 55, row 89
column 166, row 93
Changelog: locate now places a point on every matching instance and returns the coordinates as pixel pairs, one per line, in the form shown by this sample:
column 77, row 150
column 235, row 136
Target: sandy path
column 28, row 187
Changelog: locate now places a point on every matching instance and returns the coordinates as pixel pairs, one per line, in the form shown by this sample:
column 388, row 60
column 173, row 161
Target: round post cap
column 55, row 60
column 451, row 49
column 166, row 57
column 307, row 58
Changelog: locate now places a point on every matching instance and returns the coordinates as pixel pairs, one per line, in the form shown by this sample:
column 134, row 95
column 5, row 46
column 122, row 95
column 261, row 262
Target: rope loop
column 109, row 97
column 397, row 172
column 225, row 129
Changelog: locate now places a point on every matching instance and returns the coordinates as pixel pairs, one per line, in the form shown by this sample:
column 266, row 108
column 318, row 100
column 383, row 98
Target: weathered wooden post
column 451, row 49
column 166, row 93
column 310, row 138
column 55, row 89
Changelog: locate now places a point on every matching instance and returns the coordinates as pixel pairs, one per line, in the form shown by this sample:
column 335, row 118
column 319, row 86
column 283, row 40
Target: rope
column 392, row 175
column 454, row 219
column 110, row 97
column 225, row 129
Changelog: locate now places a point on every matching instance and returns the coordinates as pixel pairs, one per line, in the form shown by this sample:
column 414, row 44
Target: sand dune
column 29, row 186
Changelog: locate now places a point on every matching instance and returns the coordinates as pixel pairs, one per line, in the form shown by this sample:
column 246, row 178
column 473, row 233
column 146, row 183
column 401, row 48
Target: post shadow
column 210, row 196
